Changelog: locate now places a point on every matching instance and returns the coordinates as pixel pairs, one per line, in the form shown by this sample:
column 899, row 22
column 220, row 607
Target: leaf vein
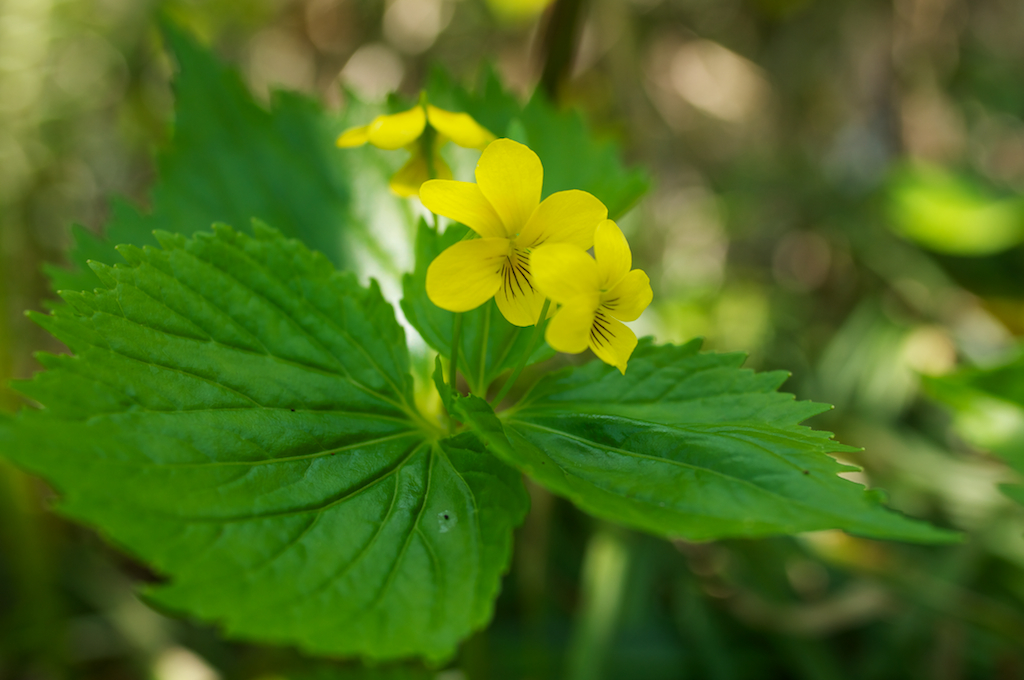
column 304, row 331
column 670, row 461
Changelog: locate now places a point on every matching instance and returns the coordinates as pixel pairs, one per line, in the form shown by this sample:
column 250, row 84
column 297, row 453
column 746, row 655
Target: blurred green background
column 838, row 190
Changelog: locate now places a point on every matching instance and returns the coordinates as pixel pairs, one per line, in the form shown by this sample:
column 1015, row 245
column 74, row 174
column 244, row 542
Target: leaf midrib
column 289, row 459
column 319, row 508
column 786, row 500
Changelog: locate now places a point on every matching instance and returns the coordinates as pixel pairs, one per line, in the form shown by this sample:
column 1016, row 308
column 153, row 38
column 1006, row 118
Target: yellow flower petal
column 356, row 136
column 467, row 274
column 397, row 130
column 564, row 217
column 564, row 272
column 510, row 176
column 518, row 299
column 459, row 127
column 612, row 252
column 521, row 307
column 408, row 180
column 464, row 203
column 630, row 296
column 569, row 330
column 612, row 341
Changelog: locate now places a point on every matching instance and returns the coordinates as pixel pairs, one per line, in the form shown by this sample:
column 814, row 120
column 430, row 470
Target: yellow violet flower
column 595, row 294
column 409, row 129
column 505, row 210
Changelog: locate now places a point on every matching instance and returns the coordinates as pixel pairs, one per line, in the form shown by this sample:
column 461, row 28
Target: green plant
column 243, row 416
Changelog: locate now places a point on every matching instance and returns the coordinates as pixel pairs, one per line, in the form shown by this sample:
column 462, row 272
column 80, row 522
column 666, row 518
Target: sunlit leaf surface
column 989, row 408
column 949, row 214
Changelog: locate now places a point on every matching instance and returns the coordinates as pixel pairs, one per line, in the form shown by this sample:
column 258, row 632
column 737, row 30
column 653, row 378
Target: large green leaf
column 953, row 214
column 572, row 156
column 689, row 445
column 489, row 345
column 232, row 160
column 239, row 414
column 988, row 405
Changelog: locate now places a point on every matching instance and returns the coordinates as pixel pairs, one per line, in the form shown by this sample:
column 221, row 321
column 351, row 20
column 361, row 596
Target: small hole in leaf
column 446, row 520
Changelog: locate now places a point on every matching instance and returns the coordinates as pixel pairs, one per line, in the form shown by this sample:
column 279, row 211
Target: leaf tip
column 168, row 240
column 262, row 230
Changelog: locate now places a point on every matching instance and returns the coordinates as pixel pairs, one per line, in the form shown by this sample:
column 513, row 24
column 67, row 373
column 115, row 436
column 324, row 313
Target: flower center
column 608, row 303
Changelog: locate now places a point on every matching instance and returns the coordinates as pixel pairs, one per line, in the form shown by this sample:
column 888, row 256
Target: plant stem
column 606, row 567
column 456, row 339
column 526, row 356
column 27, row 542
column 427, row 140
column 453, row 369
column 560, row 42
column 427, row 149
column 482, row 385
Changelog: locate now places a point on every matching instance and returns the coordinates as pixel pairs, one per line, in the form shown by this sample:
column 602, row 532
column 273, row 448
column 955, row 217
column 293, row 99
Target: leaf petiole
column 453, row 369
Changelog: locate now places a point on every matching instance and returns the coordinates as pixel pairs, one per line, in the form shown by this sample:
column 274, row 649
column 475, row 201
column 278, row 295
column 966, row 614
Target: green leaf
column 484, row 326
column 572, row 157
column 953, row 214
column 989, row 407
column 687, row 445
column 239, row 414
column 333, row 671
column 1013, row 491
column 232, row 160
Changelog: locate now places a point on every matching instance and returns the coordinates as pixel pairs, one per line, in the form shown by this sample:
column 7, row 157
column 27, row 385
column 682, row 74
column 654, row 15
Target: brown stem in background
column 560, row 42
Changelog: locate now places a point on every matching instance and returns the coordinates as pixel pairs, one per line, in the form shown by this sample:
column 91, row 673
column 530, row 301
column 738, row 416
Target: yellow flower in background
column 517, row 11
column 595, row 294
column 505, row 210
column 410, row 129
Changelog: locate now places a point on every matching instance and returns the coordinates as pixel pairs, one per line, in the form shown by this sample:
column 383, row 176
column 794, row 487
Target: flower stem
column 427, row 140
column 526, row 356
column 427, row 148
column 456, row 339
column 453, row 368
column 482, row 384
column 560, row 44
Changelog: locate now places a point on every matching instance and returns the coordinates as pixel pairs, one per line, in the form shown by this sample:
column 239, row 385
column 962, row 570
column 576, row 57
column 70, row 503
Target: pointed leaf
column 239, row 414
column 686, row 445
column 988, row 405
column 232, row 160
